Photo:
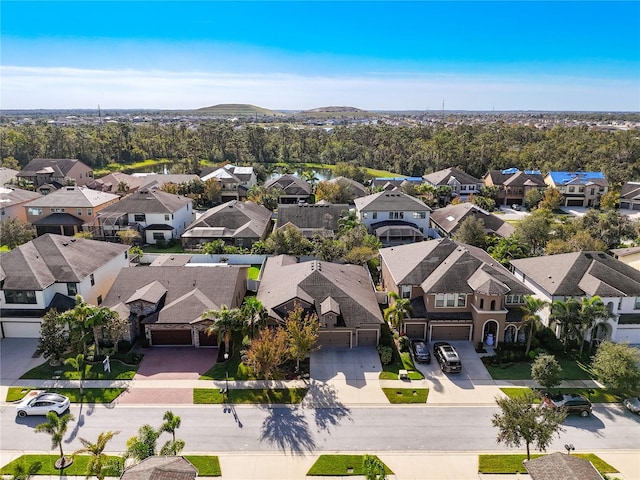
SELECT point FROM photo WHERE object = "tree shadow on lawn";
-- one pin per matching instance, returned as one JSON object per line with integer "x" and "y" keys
{"x": 287, "y": 429}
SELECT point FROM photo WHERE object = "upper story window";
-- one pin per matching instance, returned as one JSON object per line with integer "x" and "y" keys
{"x": 166, "y": 218}
{"x": 374, "y": 215}
{"x": 34, "y": 211}
{"x": 72, "y": 289}
{"x": 20, "y": 296}
{"x": 451, "y": 300}
{"x": 572, "y": 189}
{"x": 636, "y": 306}
{"x": 57, "y": 210}
{"x": 79, "y": 211}
{"x": 405, "y": 291}
{"x": 420, "y": 215}
{"x": 89, "y": 211}
{"x": 99, "y": 300}
{"x": 93, "y": 280}
{"x": 364, "y": 215}
{"x": 515, "y": 299}
{"x": 463, "y": 187}
{"x": 139, "y": 217}
{"x": 581, "y": 189}
{"x": 396, "y": 215}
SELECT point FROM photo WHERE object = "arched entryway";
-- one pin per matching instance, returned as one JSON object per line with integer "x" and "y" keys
{"x": 510, "y": 334}
{"x": 490, "y": 333}
{"x": 602, "y": 331}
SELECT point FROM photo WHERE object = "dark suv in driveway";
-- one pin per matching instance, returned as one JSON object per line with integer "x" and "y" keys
{"x": 572, "y": 403}
{"x": 447, "y": 357}
{"x": 420, "y": 350}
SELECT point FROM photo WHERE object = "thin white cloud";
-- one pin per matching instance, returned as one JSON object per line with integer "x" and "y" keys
{"x": 36, "y": 87}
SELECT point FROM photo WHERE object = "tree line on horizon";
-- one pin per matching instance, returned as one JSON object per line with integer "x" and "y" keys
{"x": 412, "y": 151}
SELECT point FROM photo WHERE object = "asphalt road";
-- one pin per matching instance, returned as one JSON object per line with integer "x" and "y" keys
{"x": 300, "y": 430}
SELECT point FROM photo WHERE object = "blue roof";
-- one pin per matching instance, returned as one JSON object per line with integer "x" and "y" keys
{"x": 567, "y": 177}
{"x": 513, "y": 170}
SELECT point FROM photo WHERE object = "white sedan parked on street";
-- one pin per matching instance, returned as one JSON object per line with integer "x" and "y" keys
{"x": 42, "y": 404}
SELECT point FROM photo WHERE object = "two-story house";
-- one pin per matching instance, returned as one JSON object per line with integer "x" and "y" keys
{"x": 48, "y": 272}
{"x": 318, "y": 219}
{"x": 118, "y": 182}
{"x": 295, "y": 189}
{"x": 579, "y": 189}
{"x": 462, "y": 184}
{"x": 67, "y": 210}
{"x": 457, "y": 292}
{"x": 12, "y": 202}
{"x": 630, "y": 196}
{"x": 56, "y": 171}
{"x": 236, "y": 223}
{"x": 342, "y": 296}
{"x": 235, "y": 181}
{"x": 394, "y": 217}
{"x": 447, "y": 220}
{"x": 166, "y": 304}
{"x": 158, "y": 216}
{"x": 514, "y": 184}
{"x": 587, "y": 274}
{"x": 395, "y": 183}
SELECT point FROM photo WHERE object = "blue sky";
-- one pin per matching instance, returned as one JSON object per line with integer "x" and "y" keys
{"x": 415, "y": 55}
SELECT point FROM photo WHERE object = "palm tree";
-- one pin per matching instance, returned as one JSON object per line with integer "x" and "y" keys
{"x": 96, "y": 463}
{"x": 567, "y": 314}
{"x": 530, "y": 317}
{"x": 56, "y": 426}
{"x": 225, "y": 322}
{"x": 170, "y": 425}
{"x": 253, "y": 313}
{"x": 77, "y": 364}
{"x": 396, "y": 313}
{"x": 22, "y": 471}
{"x": 348, "y": 222}
{"x": 591, "y": 309}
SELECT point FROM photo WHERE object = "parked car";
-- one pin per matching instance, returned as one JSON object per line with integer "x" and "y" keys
{"x": 632, "y": 404}
{"x": 447, "y": 357}
{"x": 420, "y": 350}
{"x": 572, "y": 402}
{"x": 42, "y": 404}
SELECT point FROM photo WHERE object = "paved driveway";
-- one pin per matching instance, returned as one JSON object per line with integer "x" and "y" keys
{"x": 17, "y": 356}
{"x": 171, "y": 363}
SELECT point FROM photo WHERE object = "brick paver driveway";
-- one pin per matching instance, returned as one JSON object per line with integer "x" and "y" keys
{"x": 176, "y": 363}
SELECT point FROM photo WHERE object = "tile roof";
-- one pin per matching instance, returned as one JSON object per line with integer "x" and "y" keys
{"x": 349, "y": 287}
{"x": 74, "y": 197}
{"x": 581, "y": 273}
{"x": 444, "y": 266}
{"x": 389, "y": 201}
{"x": 234, "y": 219}
{"x": 442, "y": 177}
{"x": 147, "y": 201}
{"x": 55, "y": 258}
{"x": 450, "y": 217}
{"x": 560, "y": 466}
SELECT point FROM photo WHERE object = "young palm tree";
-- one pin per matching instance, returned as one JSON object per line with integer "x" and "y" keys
{"x": 170, "y": 425}
{"x": 396, "y": 313}
{"x": 23, "y": 472}
{"x": 77, "y": 363}
{"x": 591, "y": 309}
{"x": 530, "y": 317}
{"x": 226, "y": 321}
{"x": 56, "y": 426}
{"x": 253, "y": 313}
{"x": 567, "y": 314}
{"x": 96, "y": 463}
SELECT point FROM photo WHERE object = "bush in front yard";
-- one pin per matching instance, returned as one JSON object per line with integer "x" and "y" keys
{"x": 386, "y": 354}
{"x": 404, "y": 343}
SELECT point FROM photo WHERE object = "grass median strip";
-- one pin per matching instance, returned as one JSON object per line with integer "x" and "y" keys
{"x": 341, "y": 465}
{"x": 47, "y": 465}
{"x": 595, "y": 395}
{"x": 90, "y": 395}
{"x": 95, "y": 371}
{"x": 207, "y": 465}
{"x": 406, "y": 395}
{"x": 249, "y": 395}
{"x": 512, "y": 464}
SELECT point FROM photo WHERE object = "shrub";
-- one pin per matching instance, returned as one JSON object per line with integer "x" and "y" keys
{"x": 404, "y": 343}
{"x": 549, "y": 341}
{"x": 386, "y": 354}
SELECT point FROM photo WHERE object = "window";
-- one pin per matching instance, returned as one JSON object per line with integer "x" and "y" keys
{"x": 20, "y": 296}
{"x": 419, "y": 215}
{"x": 572, "y": 189}
{"x": 139, "y": 217}
{"x": 637, "y": 304}
{"x": 396, "y": 215}
{"x": 166, "y": 218}
{"x": 93, "y": 280}
{"x": 57, "y": 210}
{"x": 158, "y": 236}
{"x": 581, "y": 189}
{"x": 374, "y": 215}
{"x": 72, "y": 289}
{"x": 406, "y": 291}
{"x": 462, "y": 300}
{"x": 364, "y": 215}
{"x": 79, "y": 211}
{"x": 514, "y": 298}
{"x": 34, "y": 211}
{"x": 99, "y": 300}
{"x": 451, "y": 299}
{"x": 239, "y": 242}
{"x": 439, "y": 300}
{"x": 463, "y": 187}
{"x": 89, "y": 211}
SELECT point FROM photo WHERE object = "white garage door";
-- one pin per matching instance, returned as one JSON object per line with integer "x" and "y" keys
{"x": 21, "y": 328}
{"x": 450, "y": 332}
{"x": 334, "y": 339}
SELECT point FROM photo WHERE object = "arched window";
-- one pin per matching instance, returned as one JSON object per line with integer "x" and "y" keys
{"x": 481, "y": 303}
{"x": 493, "y": 304}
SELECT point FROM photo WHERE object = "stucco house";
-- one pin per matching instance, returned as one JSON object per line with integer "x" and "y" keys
{"x": 447, "y": 220}
{"x": 630, "y": 196}
{"x": 628, "y": 255}
{"x": 394, "y": 217}
{"x": 462, "y": 184}
{"x": 158, "y": 216}
{"x": 514, "y": 184}
{"x": 236, "y": 223}
{"x": 67, "y": 210}
{"x": 235, "y": 181}
{"x": 587, "y": 274}
{"x": 342, "y": 296}
{"x": 579, "y": 189}
{"x": 165, "y": 304}
{"x": 56, "y": 171}
{"x": 12, "y": 202}
{"x": 457, "y": 292}
{"x": 48, "y": 272}
{"x": 295, "y": 189}
{"x": 319, "y": 219}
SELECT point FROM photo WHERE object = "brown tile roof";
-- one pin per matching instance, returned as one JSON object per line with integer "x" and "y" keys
{"x": 560, "y": 466}
{"x": 55, "y": 258}
{"x": 581, "y": 273}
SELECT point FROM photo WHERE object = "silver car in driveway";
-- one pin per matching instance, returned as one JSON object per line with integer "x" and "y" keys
{"x": 42, "y": 404}
{"x": 632, "y": 404}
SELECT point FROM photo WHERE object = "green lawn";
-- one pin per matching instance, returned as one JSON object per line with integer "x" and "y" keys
{"x": 90, "y": 395}
{"x": 78, "y": 467}
{"x": 340, "y": 465}
{"x": 571, "y": 370}
{"x": 406, "y": 395}
{"x": 512, "y": 464}
{"x": 599, "y": 395}
{"x": 236, "y": 369}
{"x": 119, "y": 371}
{"x": 177, "y": 248}
{"x": 253, "y": 395}
{"x": 207, "y": 465}
{"x": 401, "y": 362}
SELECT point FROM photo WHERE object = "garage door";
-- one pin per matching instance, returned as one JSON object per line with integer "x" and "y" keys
{"x": 208, "y": 340}
{"x": 635, "y": 206}
{"x": 450, "y": 332}
{"x": 415, "y": 330}
{"x": 367, "y": 338}
{"x": 334, "y": 339}
{"x": 171, "y": 337}
{"x": 21, "y": 329}
{"x": 625, "y": 205}
{"x": 574, "y": 203}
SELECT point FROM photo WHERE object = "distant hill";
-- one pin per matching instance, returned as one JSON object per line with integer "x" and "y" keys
{"x": 336, "y": 112}
{"x": 238, "y": 110}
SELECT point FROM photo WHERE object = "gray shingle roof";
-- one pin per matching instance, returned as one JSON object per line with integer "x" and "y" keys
{"x": 55, "y": 258}
{"x": 559, "y": 466}
{"x": 291, "y": 185}
{"x": 233, "y": 219}
{"x": 316, "y": 215}
{"x": 161, "y": 468}
{"x": 389, "y": 202}
{"x": 581, "y": 273}
{"x": 349, "y": 287}
{"x": 441, "y": 177}
{"x": 73, "y": 197}
{"x": 450, "y": 217}
{"x": 630, "y": 191}
{"x": 60, "y": 165}
{"x": 147, "y": 201}
{"x": 15, "y": 196}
